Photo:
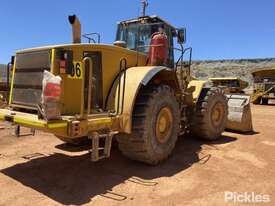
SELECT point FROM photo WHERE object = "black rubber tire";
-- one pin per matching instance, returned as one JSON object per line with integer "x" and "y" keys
{"x": 264, "y": 101}
{"x": 201, "y": 125}
{"x": 142, "y": 145}
{"x": 257, "y": 101}
{"x": 74, "y": 141}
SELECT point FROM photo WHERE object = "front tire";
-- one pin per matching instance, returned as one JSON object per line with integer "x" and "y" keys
{"x": 210, "y": 117}
{"x": 155, "y": 126}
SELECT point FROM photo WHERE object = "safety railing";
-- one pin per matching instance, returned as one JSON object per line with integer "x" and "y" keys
{"x": 122, "y": 72}
{"x": 180, "y": 65}
{"x": 90, "y": 38}
{"x": 84, "y": 112}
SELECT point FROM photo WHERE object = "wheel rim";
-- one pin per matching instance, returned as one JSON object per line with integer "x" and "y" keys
{"x": 164, "y": 125}
{"x": 217, "y": 114}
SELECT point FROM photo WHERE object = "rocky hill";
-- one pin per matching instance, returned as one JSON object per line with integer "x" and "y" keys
{"x": 230, "y": 68}
{"x": 2, "y": 72}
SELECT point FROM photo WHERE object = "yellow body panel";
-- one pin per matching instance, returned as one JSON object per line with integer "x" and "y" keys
{"x": 111, "y": 57}
{"x": 195, "y": 87}
{"x": 31, "y": 120}
{"x": 71, "y": 87}
{"x": 60, "y": 127}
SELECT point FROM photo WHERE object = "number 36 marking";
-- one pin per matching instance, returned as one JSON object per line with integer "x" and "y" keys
{"x": 76, "y": 71}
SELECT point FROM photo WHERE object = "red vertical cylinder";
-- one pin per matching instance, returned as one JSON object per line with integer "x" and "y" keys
{"x": 158, "y": 52}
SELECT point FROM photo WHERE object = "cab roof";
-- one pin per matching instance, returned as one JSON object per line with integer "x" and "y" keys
{"x": 149, "y": 19}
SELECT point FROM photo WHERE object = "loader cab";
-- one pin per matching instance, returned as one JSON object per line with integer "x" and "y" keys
{"x": 135, "y": 34}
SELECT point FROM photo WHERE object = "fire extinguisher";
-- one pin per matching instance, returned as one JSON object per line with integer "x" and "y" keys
{"x": 158, "y": 52}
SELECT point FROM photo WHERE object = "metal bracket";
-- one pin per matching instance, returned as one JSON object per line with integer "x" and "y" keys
{"x": 75, "y": 128}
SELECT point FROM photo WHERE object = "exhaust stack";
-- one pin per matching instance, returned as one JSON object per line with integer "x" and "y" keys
{"x": 76, "y": 29}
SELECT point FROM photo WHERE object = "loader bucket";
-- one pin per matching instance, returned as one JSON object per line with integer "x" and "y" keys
{"x": 239, "y": 113}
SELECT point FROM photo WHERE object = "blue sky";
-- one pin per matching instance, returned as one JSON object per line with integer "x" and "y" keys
{"x": 216, "y": 29}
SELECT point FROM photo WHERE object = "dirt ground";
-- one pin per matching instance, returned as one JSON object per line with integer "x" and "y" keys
{"x": 41, "y": 170}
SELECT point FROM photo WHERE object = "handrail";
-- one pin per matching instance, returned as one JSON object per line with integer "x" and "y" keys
{"x": 122, "y": 71}
{"x": 124, "y": 82}
{"x": 180, "y": 60}
{"x": 88, "y": 36}
{"x": 90, "y": 79}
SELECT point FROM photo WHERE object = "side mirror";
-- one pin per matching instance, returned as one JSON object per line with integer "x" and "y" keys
{"x": 181, "y": 36}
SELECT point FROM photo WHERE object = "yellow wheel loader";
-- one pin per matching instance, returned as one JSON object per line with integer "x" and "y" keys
{"x": 132, "y": 90}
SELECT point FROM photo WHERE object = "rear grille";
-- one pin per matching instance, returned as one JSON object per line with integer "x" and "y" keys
{"x": 27, "y": 87}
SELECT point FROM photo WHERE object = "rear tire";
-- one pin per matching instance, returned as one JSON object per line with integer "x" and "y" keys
{"x": 210, "y": 116}
{"x": 155, "y": 126}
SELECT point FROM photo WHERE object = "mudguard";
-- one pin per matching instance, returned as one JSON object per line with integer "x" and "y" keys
{"x": 135, "y": 78}
{"x": 195, "y": 87}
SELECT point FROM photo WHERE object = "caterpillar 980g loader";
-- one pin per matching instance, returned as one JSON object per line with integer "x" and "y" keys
{"x": 132, "y": 90}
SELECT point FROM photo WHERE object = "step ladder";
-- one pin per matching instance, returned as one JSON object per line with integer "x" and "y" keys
{"x": 97, "y": 152}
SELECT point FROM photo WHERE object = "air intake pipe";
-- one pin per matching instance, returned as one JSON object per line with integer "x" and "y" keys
{"x": 76, "y": 29}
